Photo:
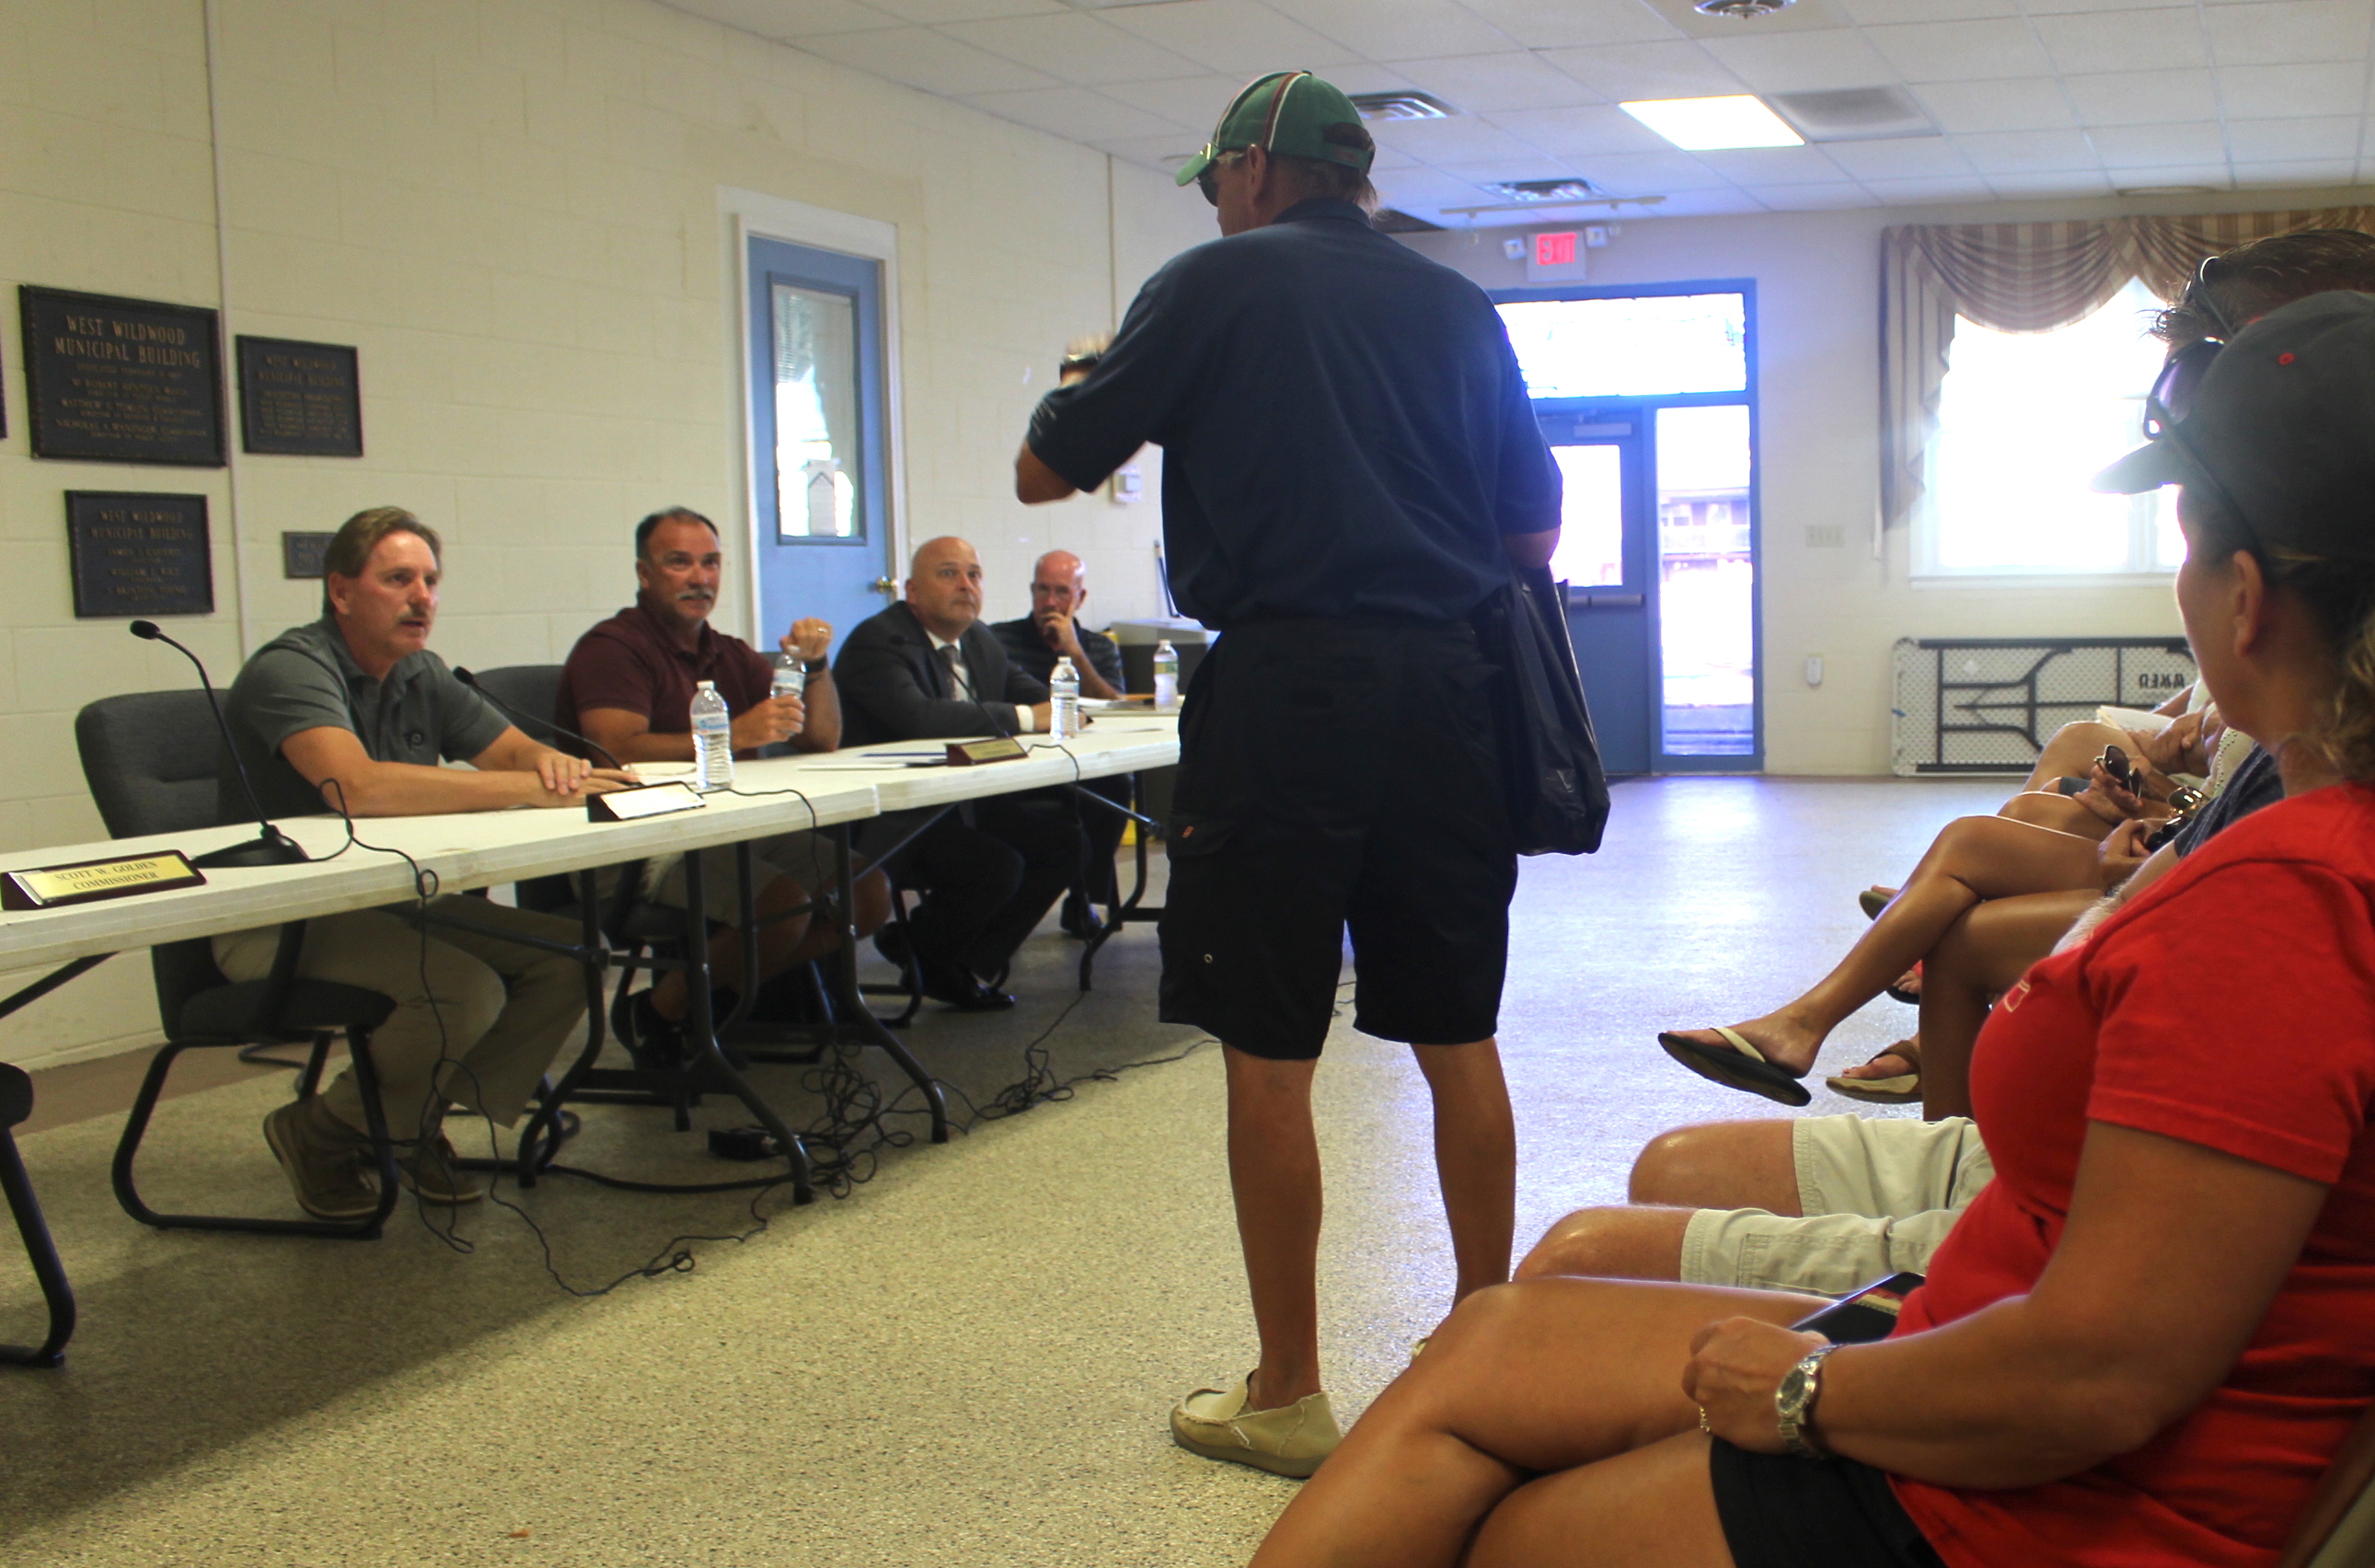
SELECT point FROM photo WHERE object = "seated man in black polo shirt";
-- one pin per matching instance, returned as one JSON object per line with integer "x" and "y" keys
{"x": 1059, "y": 587}
{"x": 354, "y": 712}
{"x": 628, "y": 688}
{"x": 929, "y": 668}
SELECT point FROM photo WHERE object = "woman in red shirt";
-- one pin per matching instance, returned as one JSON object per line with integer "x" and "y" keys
{"x": 2145, "y": 1341}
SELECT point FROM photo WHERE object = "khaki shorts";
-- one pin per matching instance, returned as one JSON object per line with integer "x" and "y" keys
{"x": 810, "y": 859}
{"x": 1877, "y": 1194}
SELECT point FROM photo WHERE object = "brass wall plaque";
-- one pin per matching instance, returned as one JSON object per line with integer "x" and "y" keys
{"x": 87, "y": 881}
{"x": 300, "y": 399}
{"x": 123, "y": 380}
{"x": 301, "y": 554}
{"x": 137, "y": 554}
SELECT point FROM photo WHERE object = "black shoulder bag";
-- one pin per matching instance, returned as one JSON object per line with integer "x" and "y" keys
{"x": 1557, "y": 793}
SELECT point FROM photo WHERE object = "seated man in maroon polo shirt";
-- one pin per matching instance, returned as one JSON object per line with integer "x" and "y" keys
{"x": 628, "y": 687}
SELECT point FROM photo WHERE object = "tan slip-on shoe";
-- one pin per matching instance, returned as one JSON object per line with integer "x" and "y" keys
{"x": 323, "y": 1158}
{"x": 1288, "y": 1441}
{"x": 430, "y": 1170}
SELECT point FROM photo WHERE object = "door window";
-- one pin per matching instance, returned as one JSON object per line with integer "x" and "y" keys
{"x": 1706, "y": 583}
{"x": 1592, "y": 521}
{"x": 818, "y": 451}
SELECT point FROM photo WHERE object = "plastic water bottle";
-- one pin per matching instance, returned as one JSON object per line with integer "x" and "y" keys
{"x": 1166, "y": 675}
{"x": 791, "y": 679}
{"x": 712, "y": 740}
{"x": 1064, "y": 700}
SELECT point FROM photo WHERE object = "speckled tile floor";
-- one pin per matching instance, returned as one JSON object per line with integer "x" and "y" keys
{"x": 968, "y": 1360}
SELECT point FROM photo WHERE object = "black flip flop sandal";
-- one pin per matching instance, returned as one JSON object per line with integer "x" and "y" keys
{"x": 1742, "y": 1067}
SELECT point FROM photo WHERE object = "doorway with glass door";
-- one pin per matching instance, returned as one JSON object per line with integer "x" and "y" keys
{"x": 818, "y": 416}
{"x": 1645, "y": 395}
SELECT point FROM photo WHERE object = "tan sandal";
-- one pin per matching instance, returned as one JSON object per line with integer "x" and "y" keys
{"x": 1903, "y": 1089}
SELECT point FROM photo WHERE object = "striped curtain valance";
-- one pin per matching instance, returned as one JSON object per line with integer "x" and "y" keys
{"x": 2025, "y": 278}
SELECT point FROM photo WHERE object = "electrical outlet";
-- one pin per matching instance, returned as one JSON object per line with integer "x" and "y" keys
{"x": 1814, "y": 669}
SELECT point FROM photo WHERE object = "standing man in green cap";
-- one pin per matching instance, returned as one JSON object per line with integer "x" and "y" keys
{"x": 1350, "y": 463}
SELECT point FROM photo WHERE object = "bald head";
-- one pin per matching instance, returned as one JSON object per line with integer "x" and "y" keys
{"x": 1059, "y": 583}
{"x": 944, "y": 587}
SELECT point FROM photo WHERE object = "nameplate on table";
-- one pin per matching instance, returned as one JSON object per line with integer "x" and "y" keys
{"x": 644, "y": 800}
{"x": 86, "y": 881}
{"x": 969, "y": 753}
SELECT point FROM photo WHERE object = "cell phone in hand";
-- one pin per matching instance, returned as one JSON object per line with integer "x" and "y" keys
{"x": 1868, "y": 1314}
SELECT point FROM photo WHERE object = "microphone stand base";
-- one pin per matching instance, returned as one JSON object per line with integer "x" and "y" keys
{"x": 278, "y": 849}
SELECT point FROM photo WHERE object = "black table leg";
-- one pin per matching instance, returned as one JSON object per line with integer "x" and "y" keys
{"x": 850, "y": 1003}
{"x": 700, "y": 1027}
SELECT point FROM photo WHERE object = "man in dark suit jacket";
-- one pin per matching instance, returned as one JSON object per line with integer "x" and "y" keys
{"x": 929, "y": 669}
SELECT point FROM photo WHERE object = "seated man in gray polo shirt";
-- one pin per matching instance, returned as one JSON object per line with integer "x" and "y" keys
{"x": 353, "y": 713}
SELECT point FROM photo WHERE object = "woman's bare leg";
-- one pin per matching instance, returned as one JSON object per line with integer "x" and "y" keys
{"x": 2072, "y": 752}
{"x": 2063, "y": 813}
{"x": 1713, "y": 1165}
{"x": 1520, "y": 1380}
{"x": 1975, "y": 858}
{"x": 1980, "y": 957}
{"x": 1654, "y": 1507}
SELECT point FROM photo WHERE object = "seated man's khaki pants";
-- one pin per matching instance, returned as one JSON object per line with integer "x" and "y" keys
{"x": 504, "y": 1008}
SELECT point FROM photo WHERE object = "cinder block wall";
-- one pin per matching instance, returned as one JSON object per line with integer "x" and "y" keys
{"x": 511, "y": 208}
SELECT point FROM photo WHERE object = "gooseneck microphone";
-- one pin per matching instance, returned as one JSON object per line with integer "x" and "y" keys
{"x": 467, "y": 678}
{"x": 270, "y": 846}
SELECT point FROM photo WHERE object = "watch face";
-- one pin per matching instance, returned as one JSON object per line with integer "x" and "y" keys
{"x": 1791, "y": 1395}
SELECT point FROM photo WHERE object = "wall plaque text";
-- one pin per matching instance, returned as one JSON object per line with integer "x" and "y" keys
{"x": 139, "y": 554}
{"x": 123, "y": 380}
{"x": 301, "y": 554}
{"x": 303, "y": 399}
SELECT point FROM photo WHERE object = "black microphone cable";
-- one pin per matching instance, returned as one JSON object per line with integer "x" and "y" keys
{"x": 556, "y": 726}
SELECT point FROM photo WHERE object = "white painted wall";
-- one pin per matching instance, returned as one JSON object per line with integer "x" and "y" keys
{"x": 1818, "y": 309}
{"x": 511, "y": 208}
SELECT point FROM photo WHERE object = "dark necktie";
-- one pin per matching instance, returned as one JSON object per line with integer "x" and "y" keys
{"x": 957, "y": 685}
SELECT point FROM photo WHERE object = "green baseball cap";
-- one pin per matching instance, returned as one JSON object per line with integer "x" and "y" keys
{"x": 1291, "y": 113}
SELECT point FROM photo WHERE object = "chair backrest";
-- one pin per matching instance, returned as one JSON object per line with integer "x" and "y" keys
{"x": 533, "y": 690}
{"x": 151, "y": 759}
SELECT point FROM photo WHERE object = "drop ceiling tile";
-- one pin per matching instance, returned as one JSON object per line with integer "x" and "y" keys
{"x": 2150, "y": 146}
{"x": 2171, "y": 177}
{"x": 2056, "y": 184}
{"x": 791, "y": 19}
{"x": 1829, "y": 197}
{"x": 2057, "y": 7}
{"x": 2018, "y": 152}
{"x": 1592, "y": 129}
{"x": 1801, "y": 62}
{"x": 1238, "y": 37}
{"x": 1960, "y": 51}
{"x": 1407, "y": 30}
{"x": 931, "y": 11}
{"x": 1536, "y": 167}
{"x": 2318, "y": 172}
{"x": 2285, "y": 92}
{"x": 1925, "y": 193}
{"x": 1192, "y": 101}
{"x": 1164, "y": 152}
{"x": 2293, "y": 141}
{"x": 1908, "y": 158}
{"x": 1486, "y": 84}
{"x": 922, "y": 58}
{"x": 1460, "y": 139}
{"x": 2278, "y": 32}
{"x": 1717, "y": 202}
{"x": 1647, "y": 173}
{"x": 1427, "y": 190}
{"x": 1757, "y": 167}
{"x": 2124, "y": 41}
{"x": 1645, "y": 70}
{"x": 2143, "y": 98}
{"x": 1562, "y": 24}
{"x": 1881, "y": 12}
{"x": 2018, "y": 103}
{"x": 1361, "y": 76}
{"x": 1074, "y": 48}
{"x": 1075, "y": 111}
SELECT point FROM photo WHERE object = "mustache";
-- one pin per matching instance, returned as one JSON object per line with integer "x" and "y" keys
{"x": 694, "y": 594}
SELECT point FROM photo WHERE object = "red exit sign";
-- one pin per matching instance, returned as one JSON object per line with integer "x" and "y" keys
{"x": 1555, "y": 250}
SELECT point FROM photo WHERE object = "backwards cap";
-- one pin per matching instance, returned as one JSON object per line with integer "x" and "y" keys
{"x": 1292, "y": 114}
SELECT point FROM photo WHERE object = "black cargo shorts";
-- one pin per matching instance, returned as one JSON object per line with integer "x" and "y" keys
{"x": 1336, "y": 774}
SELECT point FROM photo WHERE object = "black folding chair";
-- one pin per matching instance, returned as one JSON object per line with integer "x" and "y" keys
{"x": 16, "y": 1104}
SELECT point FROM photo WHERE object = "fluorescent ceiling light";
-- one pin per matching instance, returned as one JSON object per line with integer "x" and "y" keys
{"x": 1696, "y": 125}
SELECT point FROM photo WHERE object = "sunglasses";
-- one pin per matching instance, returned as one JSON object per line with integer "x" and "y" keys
{"x": 1208, "y": 180}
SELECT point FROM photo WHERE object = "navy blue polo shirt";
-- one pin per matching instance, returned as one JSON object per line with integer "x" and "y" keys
{"x": 1344, "y": 428}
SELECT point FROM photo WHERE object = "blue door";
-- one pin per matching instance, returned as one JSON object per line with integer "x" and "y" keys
{"x": 818, "y": 437}
{"x": 1603, "y": 559}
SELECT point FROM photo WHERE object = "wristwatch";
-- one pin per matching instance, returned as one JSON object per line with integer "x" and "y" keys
{"x": 815, "y": 667}
{"x": 1793, "y": 1403}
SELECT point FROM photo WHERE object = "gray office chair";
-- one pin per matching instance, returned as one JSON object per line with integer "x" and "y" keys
{"x": 150, "y": 760}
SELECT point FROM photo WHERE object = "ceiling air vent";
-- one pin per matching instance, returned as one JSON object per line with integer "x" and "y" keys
{"x": 1852, "y": 114}
{"x": 1739, "y": 10}
{"x": 1401, "y": 106}
{"x": 1541, "y": 190}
